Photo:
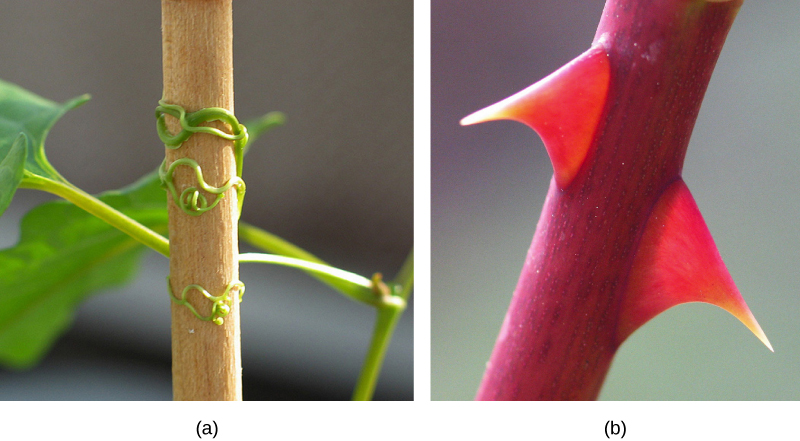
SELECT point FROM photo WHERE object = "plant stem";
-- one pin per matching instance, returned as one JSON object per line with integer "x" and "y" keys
{"x": 355, "y": 287}
{"x": 589, "y": 255}
{"x": 99, "y": 209}
{"x": 273, "y": 244}
{"x": 385, "y": 323}
{"x": 197, "y": 41}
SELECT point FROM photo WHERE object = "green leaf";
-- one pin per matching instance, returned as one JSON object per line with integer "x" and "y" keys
{"x": 65, "y": 254}
{"x": 12, "y": 168}
{"x": 24, "y": 112}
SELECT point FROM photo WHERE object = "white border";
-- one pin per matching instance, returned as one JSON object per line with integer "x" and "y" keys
{"x": 422, "y": 200}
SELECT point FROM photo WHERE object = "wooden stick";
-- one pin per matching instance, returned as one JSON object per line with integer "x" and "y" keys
{"x": 197, "y": 41}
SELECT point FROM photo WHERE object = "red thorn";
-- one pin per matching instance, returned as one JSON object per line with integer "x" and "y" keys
{"x": 678, "y": 262}
{"x": 564, "y": 108}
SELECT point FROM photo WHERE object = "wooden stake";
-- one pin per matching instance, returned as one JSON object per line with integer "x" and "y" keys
{"x": 197, "y": 41}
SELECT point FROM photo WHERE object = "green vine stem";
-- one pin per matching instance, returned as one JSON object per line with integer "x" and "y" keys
{"x": 99, "y": 209}
{"x": 385, "y": 323}
{"x": 273, "y": 244}
{"x": 359, "y": 289}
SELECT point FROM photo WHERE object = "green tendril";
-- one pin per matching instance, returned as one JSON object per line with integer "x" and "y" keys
{"x": 191, "y": 200}
{"x": 221, "y": 306}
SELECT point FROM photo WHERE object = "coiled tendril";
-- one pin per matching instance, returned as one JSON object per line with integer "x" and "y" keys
{"x": 191, "y": 200}
{"x": 221, "y": 306}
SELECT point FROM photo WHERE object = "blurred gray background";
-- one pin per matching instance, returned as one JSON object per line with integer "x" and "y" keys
{"x": 336, "y": 180}
{"x": 489, "y": 182}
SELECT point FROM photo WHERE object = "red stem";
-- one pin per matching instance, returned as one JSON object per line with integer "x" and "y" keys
{"x": 561, "y": 331}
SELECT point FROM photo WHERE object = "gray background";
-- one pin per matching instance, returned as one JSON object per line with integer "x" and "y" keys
{"x": 489, "y": 182}
{"x": 336, "y": 180}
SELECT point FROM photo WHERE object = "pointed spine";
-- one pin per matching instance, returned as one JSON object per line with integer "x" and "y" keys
{"x": 677, "y": 262}
{"x": 564, "y": 108}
